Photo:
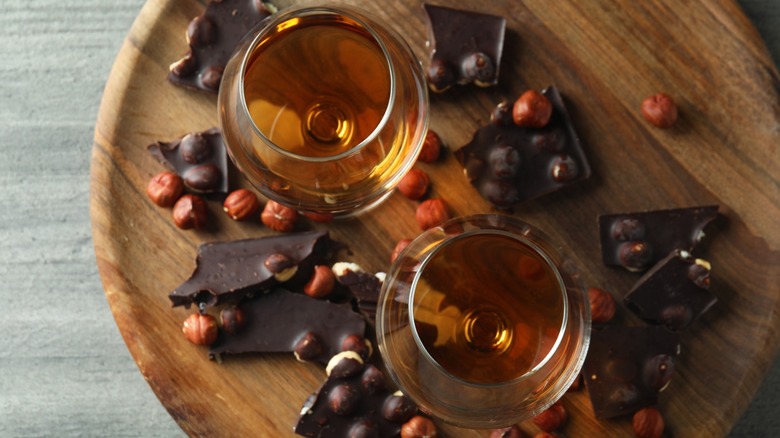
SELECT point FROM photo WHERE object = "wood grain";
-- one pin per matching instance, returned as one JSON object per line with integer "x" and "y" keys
{"x": 605, "y": 59}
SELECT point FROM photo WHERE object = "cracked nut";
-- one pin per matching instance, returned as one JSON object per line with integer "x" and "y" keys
{"x": 200, "y": 329}
{"x": 602, "y": 305}
{"x": 660, "y": 110}
{"x": 418, "y": 427}
{"x": 241, "y": 204}
{"x": 431, "y": 148}
{"x": 648, "y": 423}
{"x": 278, "y": 217}
{"x": 165, "y": 188}
{"x": 552, "y": 418}
{"x": 189, "y": 212}
{"x": 431, "y": 213}
{"x": 532, "y": 110}
{"x": 414, "y": 184}
{"x": 321, "y": 282}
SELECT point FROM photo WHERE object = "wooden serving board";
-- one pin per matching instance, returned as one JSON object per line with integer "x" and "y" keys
{"x": 605, "y": 57}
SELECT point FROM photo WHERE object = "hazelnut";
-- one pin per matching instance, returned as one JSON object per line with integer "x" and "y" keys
{"x": 189, "y": 212}
{"x": 431, "y": 147}
{"x": 418, "y": 427}
{"x": 502, "y": 114}
{"x": 241, "y": 204}
{"x": 635, "y": 256}
{"x": 400, "y": 246}
{"x": 658, "y": 371}
{"x": 551, "y": 419}
{"x": 563, "y": 168}
{"x": 203, "y": 178}
{"x": 676, "y": 316}
{"x": 233, "y": 319}
{"x": 358, "y": 344}
{"x": 532, "y": 110}
{"x": 318, "y": 217}
{"x": 278, "y": 217}
{"x": 398, "y": 408}
{"x": 628, "y": 229}
{"x": 321, "y": 282}
{"x": 699, "y": 274}
{"x": 431, "y": 213}
{"x": 165, "y": 188}
{"x": 308, "y": 347}
{"x": 549, "y": 140}
{"x": 281, "y": 266}
{"x": 346, "y": 367}
{"x": 373, "y": 380}
{"x": 648, "y": 423}
{"x": 200, "y": 329}
{"x": 211, "y": 77}
{"x": 414, "y": 184}
{"x": 440, "y": 76}
{"x": 505, "y": 160}
{"x": 194, "y": 148}
{"x": 499, "y": 192}
{"x": 344, "y": 399}
{"x": 479, "y": 68}
{"x": 660, "y": 110}
{"x": 200, "y": 31}
{"x": 364, "y": 428}
{"x": 183, "y": 67}
{"x": 507, "y": 432}
{"x": 602, "y": 305}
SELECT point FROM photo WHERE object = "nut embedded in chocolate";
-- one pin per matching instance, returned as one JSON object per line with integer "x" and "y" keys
{"x": 364, "y": 428}
{"x": 344, "y": 399}
{"x": 373, "y": 380}
{"x": 233, "y": 319}
{"x": 479, "y": 68}
{"x": 635, "y": 256}
{"x": 212, "y": 77}
{"x": 194, "y": 148}
{"x": 398, "y": 408}
{"x": 203, "y": 178}
{"x": 308, "y": 348}
{"x": 505, "y": 161}
{"x": 628, "y": 229}
{"x": 199, "y": 158}
{"x": 440, "y": 76}
{"x": 563, "y": 168}
{"x": 184, "y": 66}
{"x": 200, "y": 31}
{"x": 658, "y": 372}
{"x": 358, "y": 344}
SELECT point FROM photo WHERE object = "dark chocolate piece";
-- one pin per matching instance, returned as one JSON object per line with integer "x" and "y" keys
{"x": 200, "y": 158}
{"x": 636, "y": 241}
{"x": 674, "y": 293}
{"x": 365, "y": 287}
{"x": 281, "y": 321}
{"x": 359, "y": 403}
{"x": 508, "y": 164}
{"x": 212, "y": 37}
{"x": 465, "y": 47}
{"x": 626, "y": 367}
{"x": 229, "y": 271}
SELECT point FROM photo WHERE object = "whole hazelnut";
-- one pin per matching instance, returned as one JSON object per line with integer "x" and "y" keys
{"x": 658, "y": 371}
{"x": 532, "y": 110}
{"x": 398, "y": 408}
{"x": 308, "y": 347}
{"x": 400, "y": 246}
{"x": 364, "y": 428}
{"x": 358, "y": 344}
{"x": 626, "y": 229}
{"x": 278, "y": 217}
{"x": 321, "y": 282}
{"x": 504, "y": 160}
{"x": 233, "y": 319}
{"x": 240, "y": 204}
{"x": 660, "y": 110}
{"x": 431, "y": 213}
{"x": 648, "y": 423}
{"x": 552, "y": 418}
{"x": 563, "y": 168}
{"x": 431, "y": 148}
{"x": 602, "y": 305}
{"x": 635, "y": 256}
{"x": 165, "y": 188}
{"x": 418, "y": 427}
{"x": 211, "y": 77}
{"x": 281, "y": 266}
{"x": 373, "y": 380}
{"x": 479, "y": 68}
{"x": 189, "y": 212}
{"x": 344, "y": 399}
{"x": 200, "y": 329}
{"x": 502, "y": 114}
{"x": 200, "y": 31}
{"x": 507, "y": 432}
{"x": 414, "y": 184}
{"x": 195, "y": 148}
{"x": 203, "y": 178}
{"x": 440, "y": 76}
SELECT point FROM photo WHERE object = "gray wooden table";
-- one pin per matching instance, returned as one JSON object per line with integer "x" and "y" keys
{"x": 64, "y": 369}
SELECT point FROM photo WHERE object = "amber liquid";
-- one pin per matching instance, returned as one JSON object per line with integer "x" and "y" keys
{"x": 317, "y": 87}
{"x": 488, "y": 307}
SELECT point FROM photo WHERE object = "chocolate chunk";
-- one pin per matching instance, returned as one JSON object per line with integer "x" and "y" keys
{"x": 626, "y": 367}
{"x": 636, "y": 241}
{"x": 465, "y": 47}
{"x": 365, "y": 287}
{"x": 200, "y": 158}
{"x": 508, "y": 164}
{"x": 674, "y": 293}
{"x": 212, "y": 37}
{"x": 229, "y": 271}
{"x": 279, "y": 320}
{"x": 357, "y": 405}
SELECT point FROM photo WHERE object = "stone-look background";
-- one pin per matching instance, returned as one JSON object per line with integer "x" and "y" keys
{"x": 64, "y": 369}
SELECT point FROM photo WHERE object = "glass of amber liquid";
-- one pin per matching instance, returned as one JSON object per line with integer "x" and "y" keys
{"x": 324, "y": 109}
{"x": 483, "y": 322}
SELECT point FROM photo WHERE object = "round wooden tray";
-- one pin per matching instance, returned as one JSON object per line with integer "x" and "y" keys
{"x": 605, "y": 59}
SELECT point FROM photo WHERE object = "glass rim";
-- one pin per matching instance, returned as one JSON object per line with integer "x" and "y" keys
{"x": 296, "y": 12}
{"x": 561, "y": 286}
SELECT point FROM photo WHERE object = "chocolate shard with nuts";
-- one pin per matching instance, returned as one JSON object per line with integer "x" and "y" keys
{"x": 626, "y": 367}
{"x": 637, "y": 241}
{"x": 281, "y": 321}
{"x": 360, "y": 402}
{"x": 212, "y": 37}
{"x": 229, "y": 271}
{"x": 465, "y": 47}
{"x": 674, "y": 293}
{"x": 199, "y": 158}
{"x": 363, "y": 286}
{"x": 508, "y": 164}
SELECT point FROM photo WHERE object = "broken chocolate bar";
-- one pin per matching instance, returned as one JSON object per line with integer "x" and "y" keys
{"x": 364, "y": 287}
{"x": 281, "y": 321}
{"x": 229, "y": 271}
{"x": 465, "y": 47}
{"x": 674, "y": 293}
{"x": 355, "y": 400}
{"x": 626, "y": 367}
{"x": 508, "y": 164}
{"x": 199, "y": 158}
{"x": 636, "y": 241}
{"x": 212, "y": 37}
